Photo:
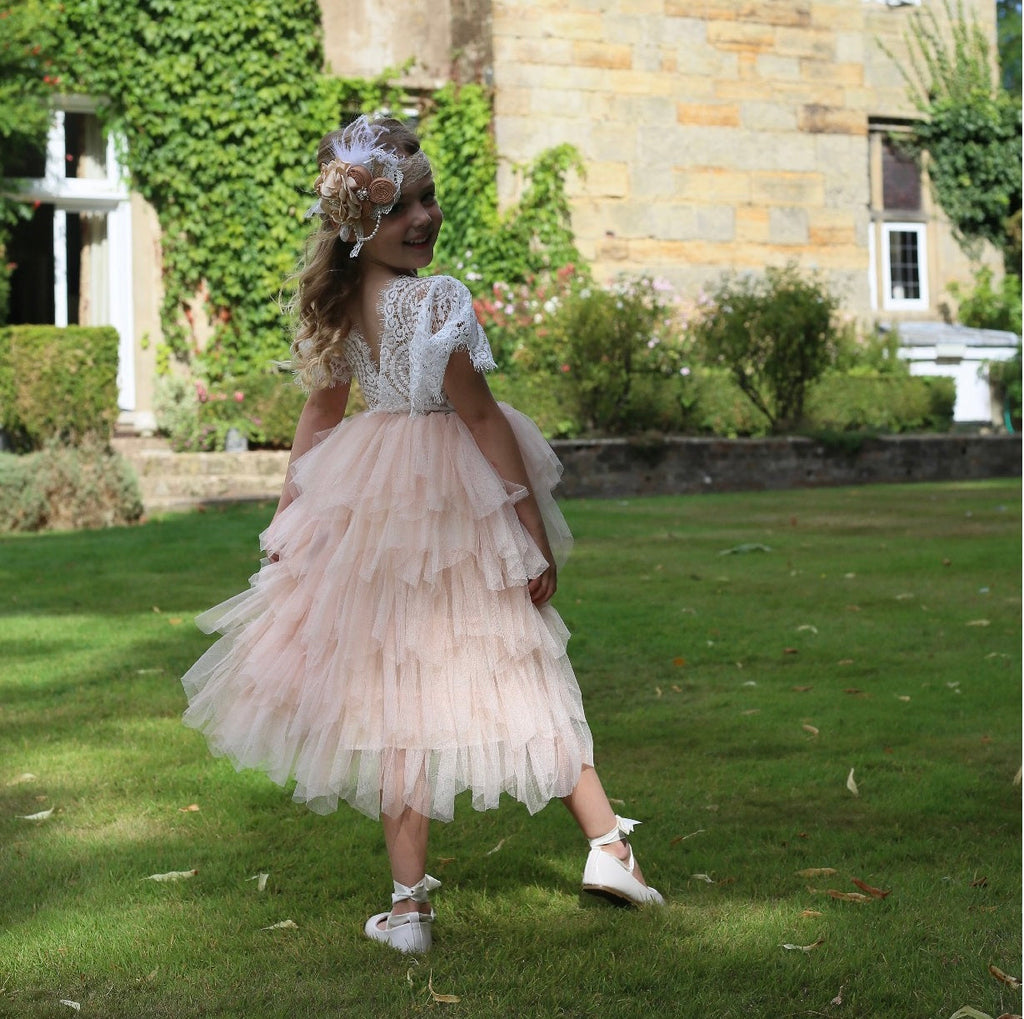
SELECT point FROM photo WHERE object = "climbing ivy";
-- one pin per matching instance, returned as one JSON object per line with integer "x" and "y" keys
{"x": 971, "y": 131}
{"x": 479, "y": 244}
{"x": 220, "y": 106}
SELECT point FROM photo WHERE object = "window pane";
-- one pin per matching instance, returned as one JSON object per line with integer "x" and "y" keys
{"x": 85, "y": 153}
{"x": 904, "y": 265}
{"x": 27, "y": 161}
{"x": 901, "y": 180}
{"x": 30, "y": 248}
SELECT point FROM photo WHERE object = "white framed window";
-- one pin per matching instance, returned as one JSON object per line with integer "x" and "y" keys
{"x": 899, "y": 234}
{"x": 74, "y": 256}
{"x": 904, "y": 266}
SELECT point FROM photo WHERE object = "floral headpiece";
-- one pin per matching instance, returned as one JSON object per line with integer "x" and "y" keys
{"x": 362, "y": 182}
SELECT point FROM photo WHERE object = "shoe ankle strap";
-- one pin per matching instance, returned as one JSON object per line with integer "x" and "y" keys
{"x": 623, "y": 827}
{"x": 419, "y": 892}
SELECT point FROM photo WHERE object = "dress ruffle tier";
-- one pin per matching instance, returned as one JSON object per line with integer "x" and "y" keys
{"x": 391, "y": 656}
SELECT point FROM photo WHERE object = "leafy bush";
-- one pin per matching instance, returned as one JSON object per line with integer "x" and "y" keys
{"x": 621, "y": 351}
{"x": 880, "y": 402}
{"x": 58, "y": 383}
{"x": 262, "y": 408}
{"x": 62, "y": 488}
{"x": 1006, "y": 376}
{"x": 985, "y": 306}
{"x": 776, "y": 334}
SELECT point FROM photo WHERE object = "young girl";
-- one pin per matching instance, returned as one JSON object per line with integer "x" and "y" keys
{"x": 397, "y": 646}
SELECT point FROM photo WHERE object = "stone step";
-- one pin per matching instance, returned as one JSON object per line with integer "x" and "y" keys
{"x": 171, "y": 480}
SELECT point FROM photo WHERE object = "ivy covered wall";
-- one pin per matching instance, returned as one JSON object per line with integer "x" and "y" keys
{"x": 220, "y": 106}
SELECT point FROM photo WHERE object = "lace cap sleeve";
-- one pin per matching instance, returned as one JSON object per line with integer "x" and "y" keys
{"x": 444, "y": 322}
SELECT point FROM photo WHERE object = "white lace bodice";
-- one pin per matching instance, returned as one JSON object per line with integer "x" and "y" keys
{"x": 423, "y": 321}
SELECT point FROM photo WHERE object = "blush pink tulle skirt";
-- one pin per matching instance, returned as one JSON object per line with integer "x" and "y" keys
{"x": 391, "y": 656}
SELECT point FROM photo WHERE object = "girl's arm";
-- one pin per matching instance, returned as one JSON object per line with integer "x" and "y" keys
{"x": 471, "y": 397}
{"x": 323, "y": 409}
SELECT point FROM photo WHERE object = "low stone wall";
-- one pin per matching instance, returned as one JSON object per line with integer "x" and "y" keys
{"x": 678, "y": 465}
{"x": 619, "y": 468}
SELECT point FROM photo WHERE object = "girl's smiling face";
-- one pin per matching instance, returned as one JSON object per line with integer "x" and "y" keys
{"x": 407, "y": 234}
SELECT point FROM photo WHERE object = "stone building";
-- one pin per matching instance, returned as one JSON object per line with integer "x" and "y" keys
{"x": 716, "y": 135}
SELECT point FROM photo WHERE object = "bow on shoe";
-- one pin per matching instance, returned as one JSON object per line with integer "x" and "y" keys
{"x": 419, "y": 892}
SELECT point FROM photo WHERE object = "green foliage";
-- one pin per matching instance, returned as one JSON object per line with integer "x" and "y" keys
{"x": 1006, "y": 376}
{"x": 457, "y": 136}
{"x": 67, "y": 488}
{"x": 26, "y": 86}
{"x": 58, "y": 383}
{"x": 478, "y": 244}
{"x": 623, "y": 357}
{"x": 221, "y": 107}
{"x": 776, "y": 334}
{"x": 263, "y": 408}
{"x": 880, "y": 402}
{"x": 972, "y": 130}
{"x": 1008, "y": 26}
{"x": 985, "y": 306}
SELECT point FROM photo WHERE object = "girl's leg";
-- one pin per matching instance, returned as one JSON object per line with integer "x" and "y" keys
{"x": 406, "y": 839}
{"x": 589, "y": 805}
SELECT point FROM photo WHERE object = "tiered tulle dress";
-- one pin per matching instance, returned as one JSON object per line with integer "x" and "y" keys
{"x": 391, "y": 655}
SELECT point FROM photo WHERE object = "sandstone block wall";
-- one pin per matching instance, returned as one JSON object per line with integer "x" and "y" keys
{"x": 717, "y": 134}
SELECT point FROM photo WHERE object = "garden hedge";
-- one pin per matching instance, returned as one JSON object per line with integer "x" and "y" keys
{"x": 57, "y": 384}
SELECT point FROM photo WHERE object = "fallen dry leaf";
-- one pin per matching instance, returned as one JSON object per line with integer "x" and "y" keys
{"x": 751, "y": 711}
{"x": 806, "y": 627}
{"x": 851, "y": 785}
{"x": 491, "y": 852}
{"x": 805, "y": 948}
{"x": 979, "y": 622}
{"x": 979, "y": 882}
{"x": 1005, "y": 978}
{"x": 71, "y": 1004}
{"x": 903, "y": 697}
{"x": 25, "y": 776}
{"x": 812, "y": 730}
{"x": 282, "y": 925}
{"x": 452, "y": 999}
{"x": 810, "y": 913}
{"x": 970, "y": 1013}
{"x": 172, "y": 875}
{"x": 190, "y": 809}
{"x": 260, "y": 879}
{"x": 683, "y": 838}
{"x": 848, "y": 896}
{"x": 657, "y": 691}
{"x": 703, "y": 877}
{"x": 802, "y": 689}
{"x": 838, "y": 999}
{"x": 876, "y": 893}
{"x": 790, "y": 651}
{"x": 41, "y": 816}
{"x": 678, "y": 662}
{"x": 817, "y": 872}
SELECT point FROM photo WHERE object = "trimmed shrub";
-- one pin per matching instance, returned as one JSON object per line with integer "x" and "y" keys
{"x": 881, "y": 403}
{"x": 58, "y": 384}
{"x": 776, "y": 333}
{"x": 66, "y": 488}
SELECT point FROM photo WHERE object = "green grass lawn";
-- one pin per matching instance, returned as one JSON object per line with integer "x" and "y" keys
{"x": 739, "y": 656}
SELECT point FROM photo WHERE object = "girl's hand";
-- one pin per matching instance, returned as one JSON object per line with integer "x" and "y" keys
{"x": 542, "y": 588}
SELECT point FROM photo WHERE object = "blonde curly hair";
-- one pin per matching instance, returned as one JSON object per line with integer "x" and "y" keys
{"x": 328, "y": 277}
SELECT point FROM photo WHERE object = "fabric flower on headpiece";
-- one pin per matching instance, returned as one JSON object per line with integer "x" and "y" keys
{"x": 359, "y": 185}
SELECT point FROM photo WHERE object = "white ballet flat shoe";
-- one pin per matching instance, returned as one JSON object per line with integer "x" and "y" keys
{"x": 607, "y": 875}
{"x": 406, "y": 932}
